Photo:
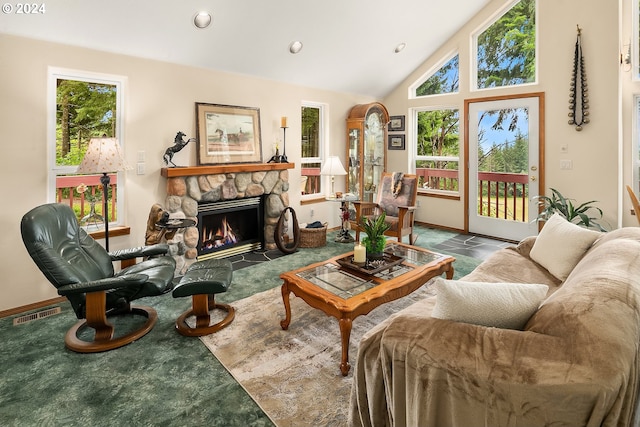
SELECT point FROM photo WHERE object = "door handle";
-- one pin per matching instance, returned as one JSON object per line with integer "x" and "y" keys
{"x": 533, "y": 178}
{"x": 534, "y": 168}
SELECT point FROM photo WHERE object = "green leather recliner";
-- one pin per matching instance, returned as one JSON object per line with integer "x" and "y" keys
{"x": 83, "y": 272}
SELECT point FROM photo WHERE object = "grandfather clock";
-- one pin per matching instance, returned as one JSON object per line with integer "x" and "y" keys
{"x": 366, "y": 149}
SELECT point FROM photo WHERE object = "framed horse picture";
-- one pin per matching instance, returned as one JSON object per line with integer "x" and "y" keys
{"x": 228, "y": 134}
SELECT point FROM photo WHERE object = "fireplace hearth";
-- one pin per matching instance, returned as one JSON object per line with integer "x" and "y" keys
{"x": 230, "y": 227}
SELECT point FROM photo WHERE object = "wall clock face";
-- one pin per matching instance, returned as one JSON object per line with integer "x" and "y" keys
{"x": 373, "y": 123}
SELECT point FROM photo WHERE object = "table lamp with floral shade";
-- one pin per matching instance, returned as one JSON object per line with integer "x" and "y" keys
{"x": 103, "y": 156}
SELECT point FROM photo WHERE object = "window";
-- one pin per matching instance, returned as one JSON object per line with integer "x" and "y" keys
{"x": 437, "y": 149}
{"x": 313, "y": 148}
{"x": 506, "y": 49}
{"x": 444, "y": 80}
{"x": 82, "y": 106}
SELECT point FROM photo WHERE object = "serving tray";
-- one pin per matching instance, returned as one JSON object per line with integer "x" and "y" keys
{"x": 371, "y": 267}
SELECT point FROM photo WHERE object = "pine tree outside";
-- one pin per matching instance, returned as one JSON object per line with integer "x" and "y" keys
{"x": 84, "y": 110}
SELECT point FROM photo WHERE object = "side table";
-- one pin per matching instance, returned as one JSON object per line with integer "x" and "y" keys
{"x": 174, "y": 224}
{"x": 344, "y": 236}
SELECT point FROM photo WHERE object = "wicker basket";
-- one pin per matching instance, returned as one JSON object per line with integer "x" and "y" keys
{"x": 313, "y": 237}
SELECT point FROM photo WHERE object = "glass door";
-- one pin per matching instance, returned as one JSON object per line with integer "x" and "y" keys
{"x": 504, "y": 166}
{"x": 354, "y": 162}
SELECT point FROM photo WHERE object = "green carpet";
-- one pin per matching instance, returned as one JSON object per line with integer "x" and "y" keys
{"x": 164, "y": 379}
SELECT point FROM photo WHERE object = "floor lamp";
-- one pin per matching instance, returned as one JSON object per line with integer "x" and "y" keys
{"x": 103, "y": 156}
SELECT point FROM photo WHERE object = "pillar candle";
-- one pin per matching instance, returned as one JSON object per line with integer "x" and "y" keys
{"x": 359, "y": 253}
{"x": 283, "y": 122}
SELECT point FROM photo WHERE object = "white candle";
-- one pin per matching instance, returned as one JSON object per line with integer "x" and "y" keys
{"x": 359, "y": 253}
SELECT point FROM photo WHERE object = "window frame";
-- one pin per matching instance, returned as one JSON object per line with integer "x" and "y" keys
{"x": 634, "y": 47}
{"x": 55, "y": 74}
{"x": 323, "y": 131}
{"x": 445, "y": 59}
{"x": 635, "y": 141}
{"x": 413, "y": 143}
{"x": 473, "y": 39}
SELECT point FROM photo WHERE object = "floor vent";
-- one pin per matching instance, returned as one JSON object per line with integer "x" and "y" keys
{"x": 36, "y": 316}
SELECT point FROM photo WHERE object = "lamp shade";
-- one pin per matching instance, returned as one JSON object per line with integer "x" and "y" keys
{"x": 103, "y": 155}
{"x": 333, "y": 166}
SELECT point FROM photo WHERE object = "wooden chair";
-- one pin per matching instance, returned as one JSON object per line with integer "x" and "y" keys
{"x": 397, "y": 195}
{"x": 634, "y": 202}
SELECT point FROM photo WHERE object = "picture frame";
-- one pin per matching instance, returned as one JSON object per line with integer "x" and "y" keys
{"x": 396, "y": 142}
{"x": 396, "y": 123}
{"x": 228, "y": 134}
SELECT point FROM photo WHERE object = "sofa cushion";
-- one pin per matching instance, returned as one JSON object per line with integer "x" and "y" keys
{"x": 513, "y": 265}
{"x": 561, "y": 244}
{"x": 500, "y": 305}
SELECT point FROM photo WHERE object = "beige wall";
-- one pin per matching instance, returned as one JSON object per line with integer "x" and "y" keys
{"x": 594, "y": 150}
{"x": 159, "y": 101}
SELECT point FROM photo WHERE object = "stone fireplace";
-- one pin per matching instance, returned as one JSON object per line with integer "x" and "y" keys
{"x": 189, "y": 188}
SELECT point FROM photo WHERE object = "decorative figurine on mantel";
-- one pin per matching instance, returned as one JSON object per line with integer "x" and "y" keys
{"x": 277, "y": 158}
{"x": 281, "y": 158}
{"x": 178, "y": 144}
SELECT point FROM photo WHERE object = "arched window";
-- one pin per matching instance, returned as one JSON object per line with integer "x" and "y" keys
{"x": 506, "y": 48}
{"x": 444, "y": 79}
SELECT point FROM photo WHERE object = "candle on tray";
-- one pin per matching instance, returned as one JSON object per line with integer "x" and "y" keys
{"x": 359, "y": 253}
{"x": 283, "y": 122}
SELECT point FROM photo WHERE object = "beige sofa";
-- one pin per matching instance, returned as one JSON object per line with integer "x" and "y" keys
{"x": 574, "y": 363}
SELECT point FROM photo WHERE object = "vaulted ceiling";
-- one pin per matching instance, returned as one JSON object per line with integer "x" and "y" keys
{"x": 348, "y": 45}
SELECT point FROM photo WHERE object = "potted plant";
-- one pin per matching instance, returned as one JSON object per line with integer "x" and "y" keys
{"x": 579, "y": 215}
{"x": 375, "y": 239}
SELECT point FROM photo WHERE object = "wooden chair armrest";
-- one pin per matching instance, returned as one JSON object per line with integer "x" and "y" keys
{"x": 359, "y": 203}
{"x": 363, "y": 208}
{"x": 403, "y": 211}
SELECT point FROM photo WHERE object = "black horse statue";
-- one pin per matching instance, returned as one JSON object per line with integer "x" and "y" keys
{"x": 178, "y": 144}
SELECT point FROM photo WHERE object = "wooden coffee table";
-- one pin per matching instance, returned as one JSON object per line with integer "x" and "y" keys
{"x": 346, "y": 292}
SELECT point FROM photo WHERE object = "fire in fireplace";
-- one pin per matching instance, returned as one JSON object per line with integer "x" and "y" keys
{"x": 230, "y": 227}
{"x": 222, "y": 236}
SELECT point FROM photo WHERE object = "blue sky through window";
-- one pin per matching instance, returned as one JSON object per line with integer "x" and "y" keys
{"x": 498, "y": 132}
{"x": 445, "y": 80}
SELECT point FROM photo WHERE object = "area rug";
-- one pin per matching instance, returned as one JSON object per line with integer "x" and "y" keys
{"x": 294, "y": 375}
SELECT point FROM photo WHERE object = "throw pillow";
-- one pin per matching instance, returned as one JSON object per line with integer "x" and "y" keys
{"x": 561, "y": 245}
{"x": 499, "y": 305}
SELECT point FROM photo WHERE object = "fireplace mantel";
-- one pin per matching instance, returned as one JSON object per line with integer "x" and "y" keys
{"x": 226, "y": 168}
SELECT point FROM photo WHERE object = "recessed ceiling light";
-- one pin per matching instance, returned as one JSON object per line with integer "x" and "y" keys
{"x": 295, "y": 47}
{"x": 202, "y": 20}
{"x": 400, "y": 47}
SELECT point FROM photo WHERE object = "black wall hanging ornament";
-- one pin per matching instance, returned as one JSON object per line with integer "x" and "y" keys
{"x": 578, "y": 93}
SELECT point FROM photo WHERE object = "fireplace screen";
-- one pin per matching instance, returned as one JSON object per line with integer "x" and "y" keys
{"x": 230, "y": 227}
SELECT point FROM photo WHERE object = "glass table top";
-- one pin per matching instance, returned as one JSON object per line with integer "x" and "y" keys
{"x": 344, "y": 284}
